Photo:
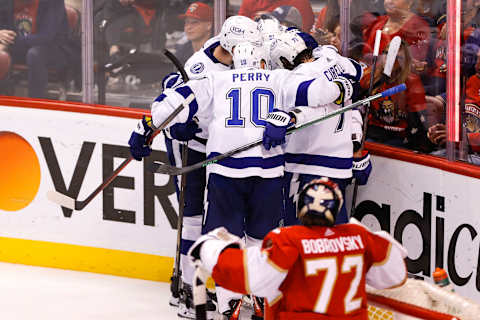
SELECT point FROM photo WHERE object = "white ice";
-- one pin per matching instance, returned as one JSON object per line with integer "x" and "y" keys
{"x": 36, "y": 293}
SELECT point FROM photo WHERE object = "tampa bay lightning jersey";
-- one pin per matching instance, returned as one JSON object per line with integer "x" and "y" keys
{"x": 198, "y": 66}
{"x": 326, "y": 148}
{"x": 235, "y": 104}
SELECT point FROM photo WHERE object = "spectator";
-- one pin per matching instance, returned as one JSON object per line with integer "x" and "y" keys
{"x": 253, "y": 8}
{"x": 435, "y": 76}
{"x": 288, "y": 16}
{"x": 35, "y": 33}
{"x": 198, "y": 29}
{"x": 133, "y": 24}
{"x": 398, "y": 120}
{"x": 401, "y": 21}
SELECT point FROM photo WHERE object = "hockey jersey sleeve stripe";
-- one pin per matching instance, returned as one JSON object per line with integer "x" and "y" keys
{"x": 209, "y": 51}
{"x": 358, "y": 69}
{"x": 185, "y": 91}
{"x": 318, "y": 160}
{"x": 301, "y": 98}
{"x": 248, "y": 162}
{"x": 160, "y": 97}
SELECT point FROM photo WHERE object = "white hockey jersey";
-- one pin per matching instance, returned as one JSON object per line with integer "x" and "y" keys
{"x": 235, "y": 104}
{"x": 198, "y": 66}
{"x": 325, "y": 149}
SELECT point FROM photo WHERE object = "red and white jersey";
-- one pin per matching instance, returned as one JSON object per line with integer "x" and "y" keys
{"x": 314, "y": 272}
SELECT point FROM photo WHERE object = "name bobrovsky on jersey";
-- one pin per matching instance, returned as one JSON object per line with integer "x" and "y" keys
{"x": 340, "y": 244}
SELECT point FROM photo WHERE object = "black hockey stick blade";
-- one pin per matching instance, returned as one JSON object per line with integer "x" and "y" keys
{"x": 74, "y": 204}
{"x": 171, "y": 170}
{"x": 177, "y": 64}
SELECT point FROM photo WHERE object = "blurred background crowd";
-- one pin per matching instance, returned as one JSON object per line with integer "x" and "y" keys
{"x": 40, "y": 54}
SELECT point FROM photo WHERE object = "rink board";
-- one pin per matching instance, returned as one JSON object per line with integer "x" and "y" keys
{"x": 124, "y": 231}
{"x": 433, "y": 211}
{"x": 129, "y": 230}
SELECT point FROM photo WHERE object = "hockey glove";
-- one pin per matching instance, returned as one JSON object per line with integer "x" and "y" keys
{"x": 138, "y": 139}
{"x": 184, "y": 131}
{"x": 206, "y": 250}
{"x": 346, "y": 89}
{"x": 277, "y": 124}
{"x": 362, "y": 167}
{"x": 172, "y": 80}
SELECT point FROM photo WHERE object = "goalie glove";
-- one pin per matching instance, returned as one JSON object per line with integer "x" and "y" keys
{"x": 362, "y": 167}
{"x": 205, "y": 251}
{"x": 139, "y": 137}
{"x": 276, "y": 128}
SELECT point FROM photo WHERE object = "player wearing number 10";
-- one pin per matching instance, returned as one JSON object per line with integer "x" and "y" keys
{"x": 244, "y": 192}
{"x": 316, "y": 271}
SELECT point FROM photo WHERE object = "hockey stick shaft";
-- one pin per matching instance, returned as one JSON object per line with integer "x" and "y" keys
{"x": 77, "y": 205}
{"x": 367, "y": 110}
{"x": 175, "y": 287}
{"x": 387, "y": 71}
{"x": 176, "y": 171}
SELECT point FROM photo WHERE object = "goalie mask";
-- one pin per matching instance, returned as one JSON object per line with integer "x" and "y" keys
{"x": 320, "y": 198}
{"x": 238, "y": 29}
{"x": 247, "y": 55}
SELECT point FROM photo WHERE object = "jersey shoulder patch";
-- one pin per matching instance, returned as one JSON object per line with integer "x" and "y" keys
{"x": 197, "y": 68}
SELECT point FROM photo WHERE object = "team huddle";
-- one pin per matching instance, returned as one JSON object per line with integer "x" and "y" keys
{"x": 270, "y": 221}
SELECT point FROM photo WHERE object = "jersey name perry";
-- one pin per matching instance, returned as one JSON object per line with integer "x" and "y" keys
{"x": 250, "y": 76}
{"x": 340, "y": 244}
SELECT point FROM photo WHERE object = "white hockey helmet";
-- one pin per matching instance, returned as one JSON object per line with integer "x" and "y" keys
{"x": 248, "y": 55}
{"x": 237, "y": 29}
{"x": 270, "y": 28}
{"x": 287, "y": 45}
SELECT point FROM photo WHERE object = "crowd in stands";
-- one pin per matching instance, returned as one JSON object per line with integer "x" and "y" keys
{"x": 40, "y": 35}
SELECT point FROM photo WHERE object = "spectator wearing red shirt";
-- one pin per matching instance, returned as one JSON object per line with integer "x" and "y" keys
{"x": 401, "y": 21}
{"x": 398, "y": 120}
{"x": 252, "y": 8}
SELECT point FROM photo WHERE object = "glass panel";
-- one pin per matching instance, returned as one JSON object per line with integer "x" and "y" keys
{"x": 469, "y": 146}
{"x": 405, "y": 119}
{"x": 40, "y": 48}
{"x": 130, "y": 38}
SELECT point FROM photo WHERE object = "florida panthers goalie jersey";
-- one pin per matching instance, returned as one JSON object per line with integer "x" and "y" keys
{"x": 314, "y": 272}
{"x": 234, "y": 104}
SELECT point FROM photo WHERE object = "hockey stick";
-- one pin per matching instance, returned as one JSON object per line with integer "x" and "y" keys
{"x": 177, "y": 273}
{"x": 74, "y": 204}
{"x": 387, "y": 71}
{"x": 170, "y": 170}
{"x": 200, "y": 293}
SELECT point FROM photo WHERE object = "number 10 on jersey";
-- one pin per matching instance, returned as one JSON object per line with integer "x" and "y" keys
{"x": 256, "y": 107}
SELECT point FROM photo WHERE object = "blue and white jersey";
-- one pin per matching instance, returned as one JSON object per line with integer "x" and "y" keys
{"x": 198, "y": 66}
{"x": 235, "y": 104}
{"x": 326, "y": 148}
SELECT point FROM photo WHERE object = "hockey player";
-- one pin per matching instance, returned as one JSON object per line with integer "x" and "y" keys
{"x": 216, "y": 55}
{"x": 325, "y": 149}
{"x": 245, "y": 192}
{"x": 316, "y": 270}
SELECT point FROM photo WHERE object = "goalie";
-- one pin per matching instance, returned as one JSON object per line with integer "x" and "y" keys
{"x": 312, "y": 271}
